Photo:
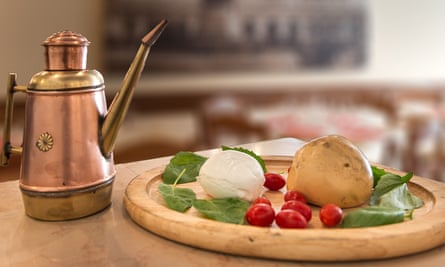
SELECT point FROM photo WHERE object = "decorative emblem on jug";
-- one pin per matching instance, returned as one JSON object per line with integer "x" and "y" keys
{"x": 45, "y": 142}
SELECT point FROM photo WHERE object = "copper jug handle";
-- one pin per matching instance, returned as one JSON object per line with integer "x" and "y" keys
{"x": 7, "y": 148}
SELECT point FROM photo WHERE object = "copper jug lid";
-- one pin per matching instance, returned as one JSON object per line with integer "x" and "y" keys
{"x": 66, "y": 50}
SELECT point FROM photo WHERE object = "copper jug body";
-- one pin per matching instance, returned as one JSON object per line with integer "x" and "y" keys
{"x": 67, "y": 169}
{"x": 64, "y": 174}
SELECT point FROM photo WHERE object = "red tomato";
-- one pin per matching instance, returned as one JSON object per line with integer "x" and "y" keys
{"x": 274, "y": 181}
{"x": 299, "y": 206}
{"x": 262, "y": 199}
{"x": 290, "y": 219}
{"x": 331, "y": 215}
{"x": 294, "y": 195}
{"x": 260, "y": 214}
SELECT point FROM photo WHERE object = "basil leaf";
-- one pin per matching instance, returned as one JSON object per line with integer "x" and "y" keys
{"x": 386, "y": 183}
{"x": 179, "y": 199}
{"x": 407, "y": 177}
{"x": 250, "y": 153}
{"x": 189, "y": 161}
{"x": 230, "y": 210}
{"x": 372, "y": 216}
{"x": 400, "y": 197}
{"x": 377, "y": 174}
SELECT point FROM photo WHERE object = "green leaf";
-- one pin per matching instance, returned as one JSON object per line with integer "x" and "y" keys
{"x": 401, "y": 198}
{"x": 230, "y": 210}
{"x": 372, "y": 216}
{"x": 179, "y": 199}
{"x": 407, "y": 177}
{"x": 189, "y": 161}
{"x": 386, "y": 183}
{"x": 377, "y": 173}
{"x": 250, "y": 153}
{"x": 391, "y": 191}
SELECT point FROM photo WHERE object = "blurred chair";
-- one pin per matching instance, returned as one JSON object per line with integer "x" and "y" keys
{"x": 423, "y": 151}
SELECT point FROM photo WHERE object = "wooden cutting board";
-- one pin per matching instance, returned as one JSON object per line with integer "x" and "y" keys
{"x": 316, "y": 243}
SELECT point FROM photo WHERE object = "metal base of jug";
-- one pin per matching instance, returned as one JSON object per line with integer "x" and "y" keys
{"x": 67, "y": 205}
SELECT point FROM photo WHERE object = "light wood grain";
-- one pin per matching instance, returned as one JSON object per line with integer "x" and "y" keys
{"x": 427, "y": 230}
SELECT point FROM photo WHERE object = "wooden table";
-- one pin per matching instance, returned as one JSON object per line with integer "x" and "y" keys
{"x": 111, "y": 238}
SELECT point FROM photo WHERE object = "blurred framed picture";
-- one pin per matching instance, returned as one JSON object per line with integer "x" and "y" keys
{"x": 240, "y": 35}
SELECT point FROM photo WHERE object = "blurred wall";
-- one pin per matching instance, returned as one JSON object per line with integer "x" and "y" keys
{"x": 24, "y": 25}
{"x": 406, "y": 38}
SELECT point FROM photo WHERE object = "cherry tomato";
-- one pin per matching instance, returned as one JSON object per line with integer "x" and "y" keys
{"x": 260, "y": 214}
{"x": 262, "y": 199}
{"x": 290, "y": 219}
{"x": 331, "y": 215}
{"x": 299, "y": 206}
{"x": 274, "y": 181}
{"x": 294, "y": 195}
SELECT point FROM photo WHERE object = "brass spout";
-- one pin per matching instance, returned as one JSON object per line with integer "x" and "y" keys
{"x": 119, "y": 106}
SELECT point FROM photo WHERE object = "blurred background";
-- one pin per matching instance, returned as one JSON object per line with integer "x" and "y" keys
{"x": 227, "y": 72}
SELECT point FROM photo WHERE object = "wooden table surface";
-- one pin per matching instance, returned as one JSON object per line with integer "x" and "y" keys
{"x": 111, "y": 238}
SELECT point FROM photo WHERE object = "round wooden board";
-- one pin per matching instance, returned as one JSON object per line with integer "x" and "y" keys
{"x": 316, "y": 243}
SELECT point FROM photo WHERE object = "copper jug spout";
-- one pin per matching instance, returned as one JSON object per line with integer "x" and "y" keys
{"x": 119, "y": 106}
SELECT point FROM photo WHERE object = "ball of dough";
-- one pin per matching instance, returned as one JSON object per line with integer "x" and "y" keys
{"x": 331, "y": 169}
